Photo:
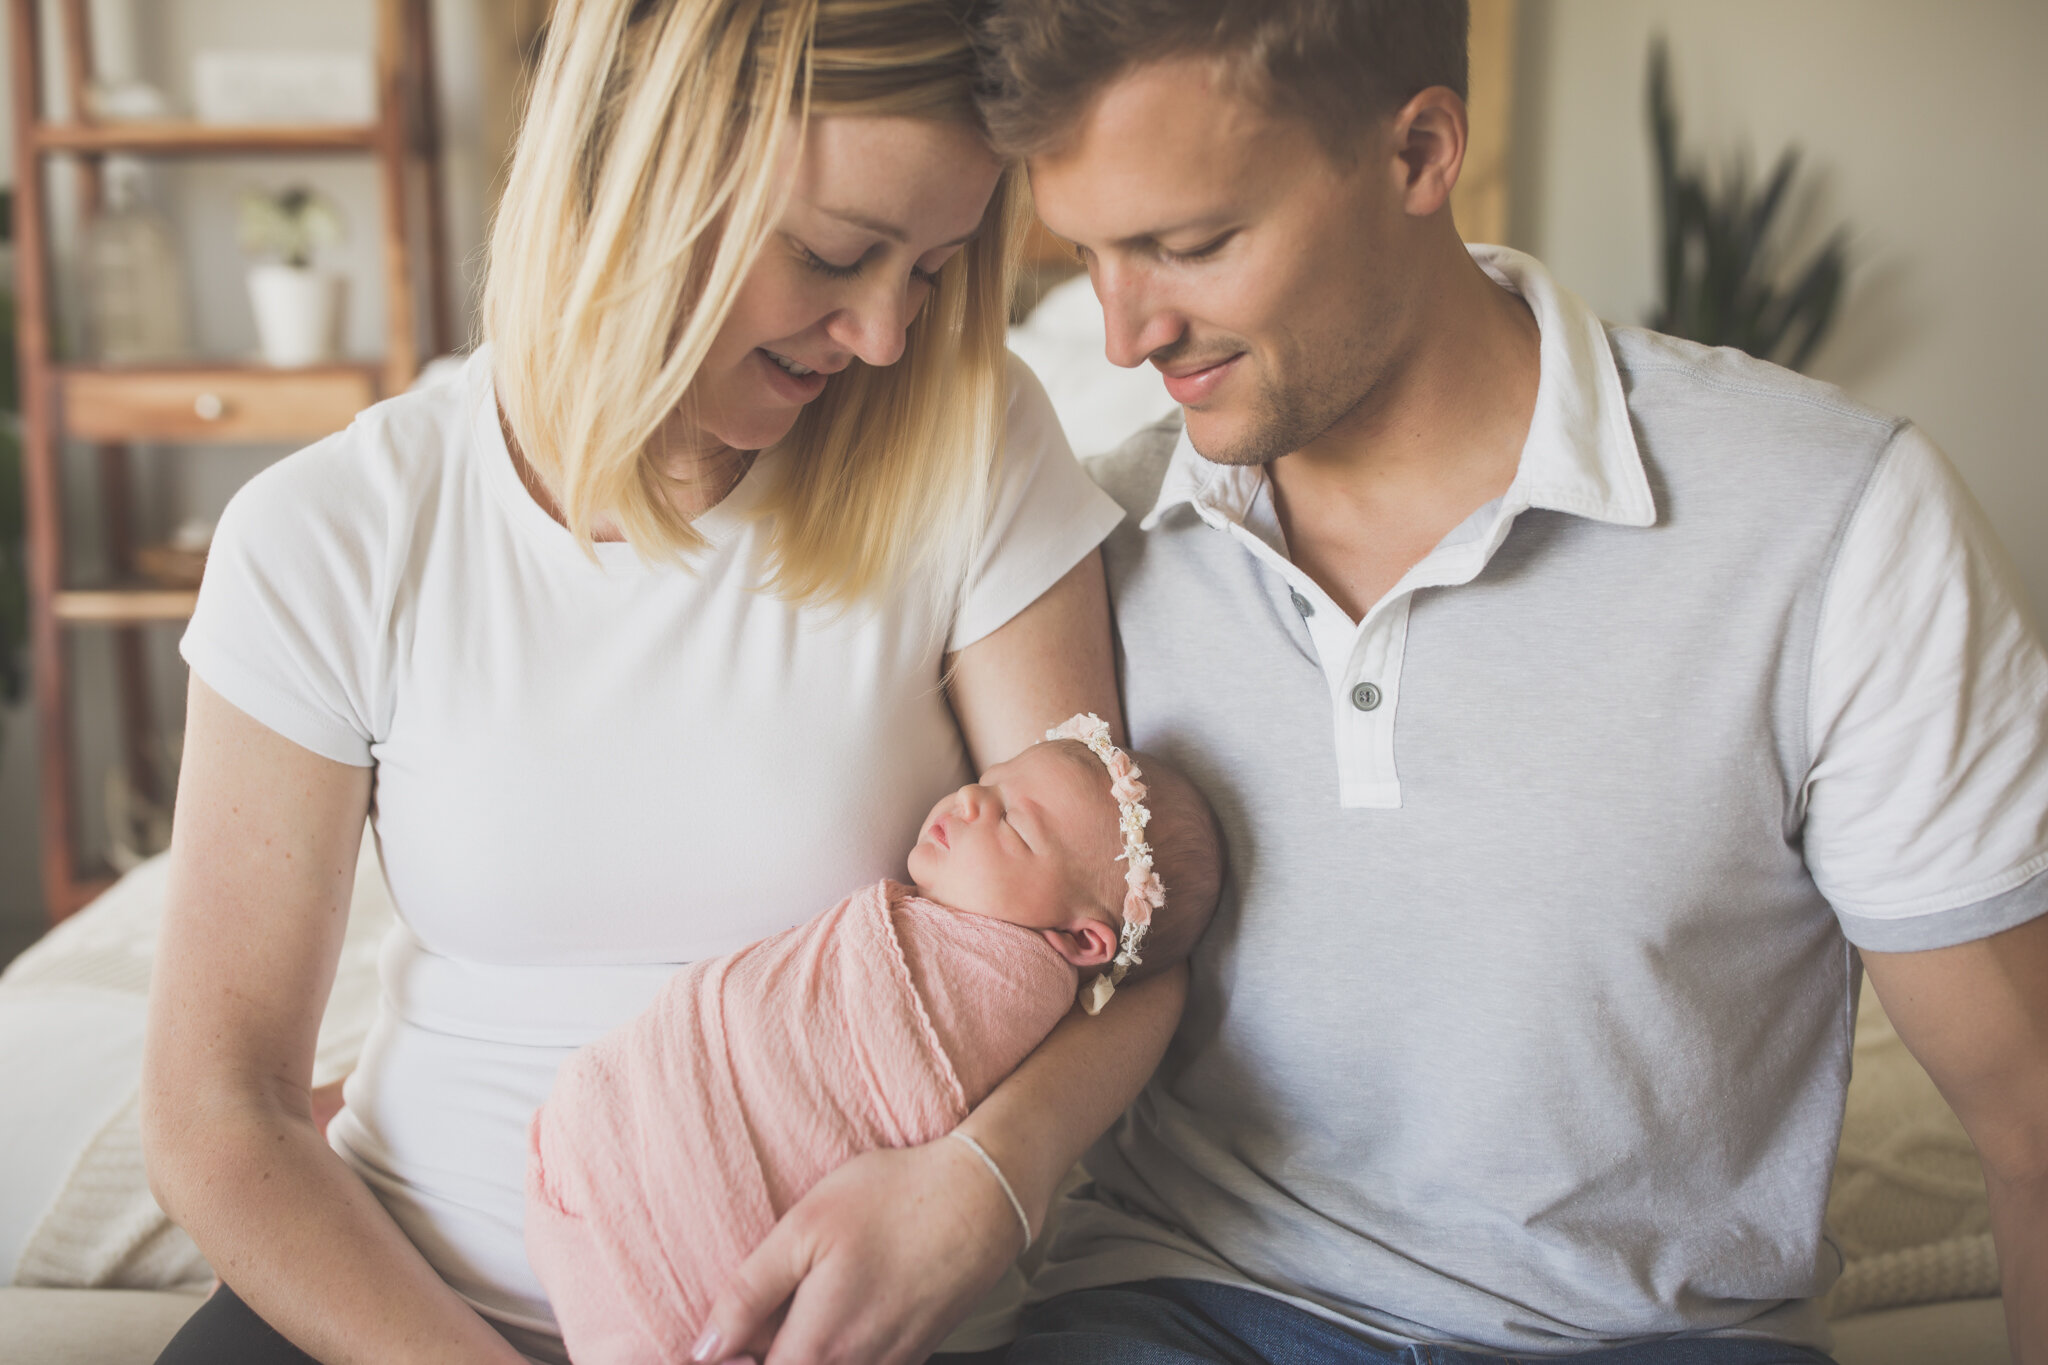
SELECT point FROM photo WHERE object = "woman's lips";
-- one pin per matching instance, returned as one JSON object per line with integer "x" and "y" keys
{"x": 794, "y": 388}
{"x": 1191, "y": 389}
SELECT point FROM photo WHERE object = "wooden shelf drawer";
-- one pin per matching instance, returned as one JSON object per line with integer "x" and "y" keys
{"x": 224, "y": 404}
{"x": 123, "y": 606}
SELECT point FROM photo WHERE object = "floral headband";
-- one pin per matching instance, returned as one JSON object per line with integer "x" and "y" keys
{"x": 1142, "y": 892}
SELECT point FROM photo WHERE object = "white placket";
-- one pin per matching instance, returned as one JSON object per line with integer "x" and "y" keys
{"x": 1361, "y": 663}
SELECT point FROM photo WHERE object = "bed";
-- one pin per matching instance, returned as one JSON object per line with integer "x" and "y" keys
{"x": 93, "y": 1272}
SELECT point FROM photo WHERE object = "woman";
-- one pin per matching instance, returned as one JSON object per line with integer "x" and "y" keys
{"x": 602, "y": 676}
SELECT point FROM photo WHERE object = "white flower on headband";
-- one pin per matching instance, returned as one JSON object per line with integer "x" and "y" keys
{"x": 1142, "y": 892}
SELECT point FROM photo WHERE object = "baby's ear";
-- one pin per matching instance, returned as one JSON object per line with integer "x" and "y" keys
{"x": 1085, "y": 942}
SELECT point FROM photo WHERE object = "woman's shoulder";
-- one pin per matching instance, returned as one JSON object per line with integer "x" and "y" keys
{"x": 1026, "y": 402}
{"x": 368, "y": 484}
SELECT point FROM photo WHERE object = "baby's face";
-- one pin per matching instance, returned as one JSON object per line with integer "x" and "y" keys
{"x": 1034, "y": 843}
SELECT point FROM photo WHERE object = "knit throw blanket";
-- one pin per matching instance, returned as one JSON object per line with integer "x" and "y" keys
{"x": 669, "y": 1148}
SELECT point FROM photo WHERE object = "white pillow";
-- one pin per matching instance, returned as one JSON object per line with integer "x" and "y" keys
{"x": 1098, "y": 404}
{"x": 75, "y": 1207}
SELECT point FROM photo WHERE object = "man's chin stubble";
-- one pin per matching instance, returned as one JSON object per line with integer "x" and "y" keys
{"x": 1278, "y": 427}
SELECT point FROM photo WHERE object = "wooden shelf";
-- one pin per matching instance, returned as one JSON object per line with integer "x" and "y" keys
{"x": 122, "y": 606}
{"x": 175, "y": 138}
{"x": 201, "y": 402}
{"x": 112, "y": 407}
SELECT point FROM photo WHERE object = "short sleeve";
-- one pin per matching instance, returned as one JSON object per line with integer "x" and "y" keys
{"x": 1927, "y": 800}
{"x": 1045, "y": 515}
{"x": 285, "y": 627}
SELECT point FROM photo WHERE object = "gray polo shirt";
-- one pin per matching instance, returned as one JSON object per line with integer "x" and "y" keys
{"x": 1525, "y": 1022}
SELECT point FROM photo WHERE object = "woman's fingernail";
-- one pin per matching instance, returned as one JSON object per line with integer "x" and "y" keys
{"x": 706, "y": 1347}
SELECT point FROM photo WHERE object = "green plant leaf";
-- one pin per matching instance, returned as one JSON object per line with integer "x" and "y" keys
{"x": 1723, "y": 284}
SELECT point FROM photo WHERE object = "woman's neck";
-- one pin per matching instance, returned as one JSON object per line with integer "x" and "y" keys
{"x": 694, "y": 479}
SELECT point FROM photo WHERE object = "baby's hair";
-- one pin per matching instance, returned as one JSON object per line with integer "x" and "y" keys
{"x": 1187, "y": 854}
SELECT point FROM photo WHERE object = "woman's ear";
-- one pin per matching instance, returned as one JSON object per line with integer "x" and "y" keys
{"x": 1085, "y": 942}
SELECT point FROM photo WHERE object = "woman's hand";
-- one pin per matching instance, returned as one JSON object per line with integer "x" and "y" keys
{"x": 882, "y": 1258}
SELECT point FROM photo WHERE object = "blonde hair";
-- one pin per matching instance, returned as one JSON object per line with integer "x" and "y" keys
{"x": 642, "y": 187}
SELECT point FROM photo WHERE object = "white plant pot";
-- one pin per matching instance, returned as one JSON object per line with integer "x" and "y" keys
{"x": 298, "y": 313}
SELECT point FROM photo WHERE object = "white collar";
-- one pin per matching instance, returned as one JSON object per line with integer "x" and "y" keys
{"x": 1581, "y": 454}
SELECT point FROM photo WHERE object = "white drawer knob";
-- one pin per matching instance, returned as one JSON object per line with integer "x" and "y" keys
{"x": 208, "y": 407}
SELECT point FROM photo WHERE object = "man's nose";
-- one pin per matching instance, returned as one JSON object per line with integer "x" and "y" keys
{"x": 874, "y": 322}
{"x": 1135, "y": 322}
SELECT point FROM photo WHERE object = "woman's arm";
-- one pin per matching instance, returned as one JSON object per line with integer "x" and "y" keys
{"x": 883, "y": 1256}
{"x": 263, "y": 857}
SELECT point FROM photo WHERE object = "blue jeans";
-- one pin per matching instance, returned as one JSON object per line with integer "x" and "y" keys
{"x": 1189, "y": 1322}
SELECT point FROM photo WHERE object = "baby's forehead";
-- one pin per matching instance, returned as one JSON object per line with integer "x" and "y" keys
{"x": 1062, "y": 769}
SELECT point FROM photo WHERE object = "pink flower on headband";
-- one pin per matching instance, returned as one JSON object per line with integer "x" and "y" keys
{"x": 1143, "y": 893}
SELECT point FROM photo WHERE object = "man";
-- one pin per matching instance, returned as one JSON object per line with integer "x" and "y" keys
{"x": 1582, "y": 706}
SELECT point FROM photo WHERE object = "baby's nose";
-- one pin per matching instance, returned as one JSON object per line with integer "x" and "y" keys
{"x": 972, "y": 800}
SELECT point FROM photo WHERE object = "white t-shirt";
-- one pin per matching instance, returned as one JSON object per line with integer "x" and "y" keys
{"x": 587, "y": 773}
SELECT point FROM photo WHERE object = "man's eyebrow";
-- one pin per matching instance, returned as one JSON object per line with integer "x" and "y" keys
{"x": 882, "y": 228}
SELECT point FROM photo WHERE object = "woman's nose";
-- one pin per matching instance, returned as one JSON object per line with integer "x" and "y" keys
{"x": 874, "y": 324}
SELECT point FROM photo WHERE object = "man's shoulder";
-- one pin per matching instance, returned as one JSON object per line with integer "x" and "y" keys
{"x": 1133, "y": 472}
{"x": 1674, "y": 385}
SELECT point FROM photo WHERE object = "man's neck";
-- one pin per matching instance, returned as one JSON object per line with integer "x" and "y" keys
{"x": 1440, "y": 436}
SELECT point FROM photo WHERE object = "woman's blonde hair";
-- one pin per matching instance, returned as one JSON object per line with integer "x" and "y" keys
{"x": 643, "y": 185}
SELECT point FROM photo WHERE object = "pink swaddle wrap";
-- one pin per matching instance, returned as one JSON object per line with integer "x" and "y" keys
{"x": 669, "y": 1148}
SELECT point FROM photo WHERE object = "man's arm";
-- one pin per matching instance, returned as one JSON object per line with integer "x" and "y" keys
{"x": 1976, "y": 1015}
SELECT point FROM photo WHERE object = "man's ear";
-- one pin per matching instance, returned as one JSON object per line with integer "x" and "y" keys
{"x": 1085, "y": 942}
{"x": 1430, "y": 131}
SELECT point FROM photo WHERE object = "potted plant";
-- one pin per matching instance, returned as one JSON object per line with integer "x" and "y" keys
{"x": 1725, "y": 280}
{"x": 298, "y": 306}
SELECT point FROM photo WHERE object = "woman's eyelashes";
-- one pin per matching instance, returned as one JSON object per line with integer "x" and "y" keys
{"x": 853, "y": 269}
{"x": 828, "y": 269}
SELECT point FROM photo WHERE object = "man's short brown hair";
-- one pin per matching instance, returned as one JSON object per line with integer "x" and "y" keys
{"x": 1338, "y": 64}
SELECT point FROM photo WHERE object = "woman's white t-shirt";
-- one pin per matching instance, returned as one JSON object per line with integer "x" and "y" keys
{"x": 587, "y": 773}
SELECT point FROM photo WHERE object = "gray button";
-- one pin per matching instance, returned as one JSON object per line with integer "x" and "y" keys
{"x": 1365, "y": 697}
{"x": 1303, "y": 605}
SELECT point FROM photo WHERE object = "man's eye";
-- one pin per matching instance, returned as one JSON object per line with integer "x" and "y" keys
{"x": 1202, "y": 252}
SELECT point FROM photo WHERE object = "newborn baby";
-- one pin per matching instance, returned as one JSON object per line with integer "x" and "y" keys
{"x": 669, "y": 1148}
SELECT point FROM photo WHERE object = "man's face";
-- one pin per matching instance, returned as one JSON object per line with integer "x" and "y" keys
{"x": 1262, "y": 278}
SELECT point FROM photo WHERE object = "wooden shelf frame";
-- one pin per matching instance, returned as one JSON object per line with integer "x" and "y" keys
{"x": 168, "y": 138}
{"x": 215, "y": 403}
{"x": 123, "y": 606}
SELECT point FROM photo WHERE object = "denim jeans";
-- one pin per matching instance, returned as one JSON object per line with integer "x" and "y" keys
{"x": 1189, "y": 1322}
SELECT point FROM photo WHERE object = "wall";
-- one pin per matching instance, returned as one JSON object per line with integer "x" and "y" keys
{"x": 1929, "y": 124}
{"x": 198, "y": 198}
